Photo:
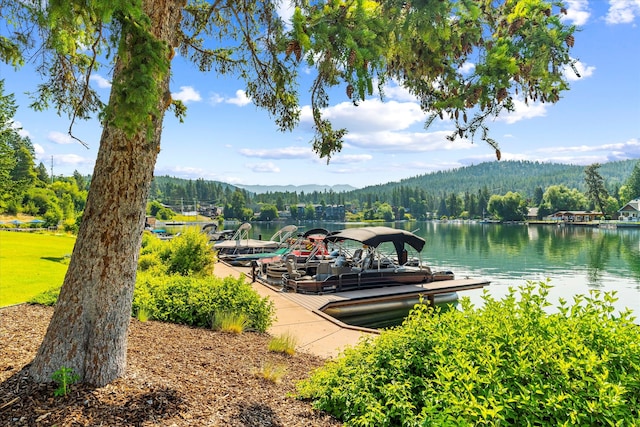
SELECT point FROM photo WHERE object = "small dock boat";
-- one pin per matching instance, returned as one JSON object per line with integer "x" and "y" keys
{"x": 239, "y": 249}
{"x": 380, "y": 260}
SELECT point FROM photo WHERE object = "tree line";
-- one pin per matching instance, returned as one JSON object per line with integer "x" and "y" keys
{"x": 468, "y": 192}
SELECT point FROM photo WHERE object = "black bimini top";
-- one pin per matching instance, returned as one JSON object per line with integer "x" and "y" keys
{"x": 374, "y": 236}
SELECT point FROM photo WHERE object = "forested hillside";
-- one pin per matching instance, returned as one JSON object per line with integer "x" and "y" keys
{"x": 500, "y": 177}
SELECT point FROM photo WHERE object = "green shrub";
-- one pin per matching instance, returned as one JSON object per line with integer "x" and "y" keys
{"x": 194, "y": 300}
{"x": 151, "y": 261}
{"x": 48, "y": 297}
{"x": 507, "y": 363}
{"x": 152, "y": 244}
{"x": 190, "y": 254}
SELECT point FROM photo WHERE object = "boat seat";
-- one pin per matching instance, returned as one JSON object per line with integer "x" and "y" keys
{"x": 357, "y": 254}
{"x": 363, "y": 265}
{"x": 366, "y": 263}
{"x": 323, "y": 271}
{"x": 291, "y": 269}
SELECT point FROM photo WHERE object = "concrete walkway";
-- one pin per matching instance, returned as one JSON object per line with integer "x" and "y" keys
{"x": 315, "y": 334}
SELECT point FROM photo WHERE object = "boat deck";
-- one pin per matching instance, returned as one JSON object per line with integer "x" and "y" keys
{"x": 317, "y": 302}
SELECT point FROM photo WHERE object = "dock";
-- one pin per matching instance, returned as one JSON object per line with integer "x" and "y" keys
{"x": 318, "y": 333}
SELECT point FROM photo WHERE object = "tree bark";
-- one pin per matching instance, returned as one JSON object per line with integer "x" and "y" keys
{"x": 88, "y": 330}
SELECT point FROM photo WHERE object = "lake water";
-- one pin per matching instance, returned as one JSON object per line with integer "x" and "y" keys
{"x": 576, "y": 259}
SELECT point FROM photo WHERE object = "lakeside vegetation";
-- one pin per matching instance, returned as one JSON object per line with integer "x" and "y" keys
{"x": 510, "y": 362}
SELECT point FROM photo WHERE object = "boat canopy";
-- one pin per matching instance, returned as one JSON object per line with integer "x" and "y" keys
{"x": 374, "y": 236}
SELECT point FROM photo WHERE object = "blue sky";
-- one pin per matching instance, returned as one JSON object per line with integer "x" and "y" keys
{"x": 226, "y": 138}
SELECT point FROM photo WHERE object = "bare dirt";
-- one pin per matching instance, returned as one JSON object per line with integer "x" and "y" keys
{"x": 176, "y": 376}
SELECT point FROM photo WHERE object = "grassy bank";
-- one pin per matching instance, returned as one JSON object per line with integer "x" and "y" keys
{"x": 31, "y": 263}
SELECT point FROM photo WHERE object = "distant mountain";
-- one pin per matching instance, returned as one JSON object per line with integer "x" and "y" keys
{"x": 261, "y": 189}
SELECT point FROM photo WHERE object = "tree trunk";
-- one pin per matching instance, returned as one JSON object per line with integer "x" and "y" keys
{"x": 88, "y": 331}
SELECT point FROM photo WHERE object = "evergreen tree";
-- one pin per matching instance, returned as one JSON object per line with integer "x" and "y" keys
{"x": 633, "y": 183}
{"x": 596, "y": 190}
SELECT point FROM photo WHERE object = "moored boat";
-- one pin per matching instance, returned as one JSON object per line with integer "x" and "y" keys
{"x": 239, "y": 249}
{"x": 306, "y": 251}
{"x": 382, "y": 260}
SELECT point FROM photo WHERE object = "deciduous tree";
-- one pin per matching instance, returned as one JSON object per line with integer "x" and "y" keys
{"x": 520, "y": 49}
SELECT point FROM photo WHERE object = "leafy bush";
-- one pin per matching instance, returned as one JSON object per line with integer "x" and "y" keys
{"x": 507, "y": 363}
{"x": 194, "y": 300}
{"x": 48, "y": 297}
{"x": 151, "y": 261}
{"x": 190, "y": 254}
{"x": 186, "y": 254}
{"x": 152, "y": 244}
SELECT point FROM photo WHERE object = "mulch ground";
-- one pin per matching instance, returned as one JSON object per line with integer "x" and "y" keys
{"x": 176, "y": 376}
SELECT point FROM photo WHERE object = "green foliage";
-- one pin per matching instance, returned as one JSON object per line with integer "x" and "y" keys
{"x": 510, "y": 207}
{"x": 64, "y": 377}
{"x": 190, "y": 254}
{"x": 517, "y": 47}
{"x": 48, "y": 298}
{"x": 596, "y": 191}
{"x": 151, "y": 261}
{"x": 632, "y": 185}
{"x": 162, "y": 213}
{"x": 507, "y": 363}
{"x": 268, "y": 212}
{"x": 195, "y": 300}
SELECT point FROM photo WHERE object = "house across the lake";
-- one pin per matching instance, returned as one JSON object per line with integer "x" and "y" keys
{"x": 576, "y": 216}
{"x": 630, "y": 211}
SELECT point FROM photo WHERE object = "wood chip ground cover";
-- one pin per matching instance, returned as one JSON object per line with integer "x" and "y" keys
{"x": 176, "y": 376}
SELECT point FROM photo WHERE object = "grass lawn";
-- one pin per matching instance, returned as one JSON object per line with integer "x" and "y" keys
{"x": 31, "y": 263}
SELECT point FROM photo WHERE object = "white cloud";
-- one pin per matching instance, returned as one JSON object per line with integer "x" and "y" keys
{"x": 266, "y": 167}
{"x": 622, "y": 11}
{"x": 406, "y": 141}
{"x": 38, "y": 150}
{"x": 370, "y": 115}
{"x": 240, "y": 99}
{"x": 279, "y": 153}
{"x": 216, "y": 99}
{"x": 523, "y": 111}
{"x": 100, "y": 81}
{"x": 467, "y": 68}
{"x": 348, "y": 159}
{"x": 17, "y": 126}
{"x": 607, "y": 152}
{"x": 398, "y": 93}
{"x": 577, "y": 12}
{"x": 285, "y": 11}
{"x": 60, "y": 138}
{"x": 71, "y": 160}
{"x": 583, "y": 70}
{"x": 187, "y": 94}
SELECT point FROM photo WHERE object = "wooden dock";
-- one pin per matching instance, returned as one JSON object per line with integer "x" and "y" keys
{"x": 429, "y": 291}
